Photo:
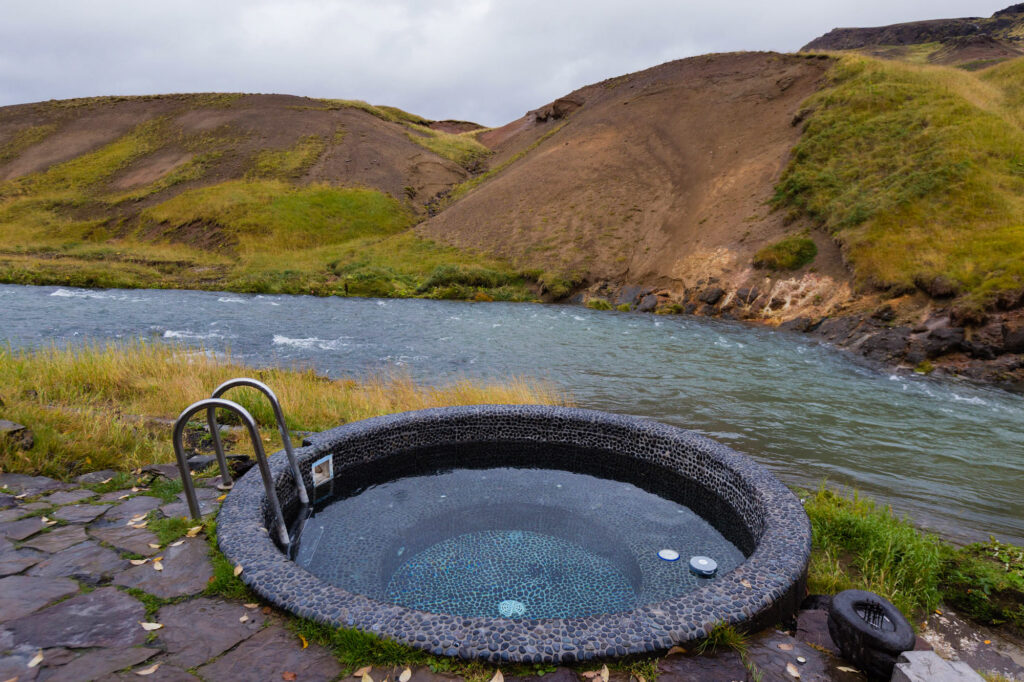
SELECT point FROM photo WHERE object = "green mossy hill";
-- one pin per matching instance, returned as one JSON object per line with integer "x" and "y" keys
{"x": 268, "y": 210}
{"x": 918, "y": 171}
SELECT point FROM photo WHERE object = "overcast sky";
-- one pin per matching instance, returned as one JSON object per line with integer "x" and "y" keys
{"x": 482, "y": 60}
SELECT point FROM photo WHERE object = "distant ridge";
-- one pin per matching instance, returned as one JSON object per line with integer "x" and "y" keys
{"x": 968, "y": 42}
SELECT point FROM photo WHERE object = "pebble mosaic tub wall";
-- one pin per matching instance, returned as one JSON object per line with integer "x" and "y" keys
{"x": 760, "y": 515}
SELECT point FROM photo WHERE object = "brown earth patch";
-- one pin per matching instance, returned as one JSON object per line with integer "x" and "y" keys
{"x": 151, "y": 169}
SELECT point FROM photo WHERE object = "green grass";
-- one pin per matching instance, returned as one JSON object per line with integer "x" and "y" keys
{"x": 462, "y": 148}
{"x": 93, "y": 407}
{"x": 985, "y": 581}
{"x": 288, "y": 163}
{"x": 857, "y": 544}
{"x": 915, "y": 170}
{"x": 791, "y": 253}
{"x": 169, "y": 529}
{"x": 598, "y": 304}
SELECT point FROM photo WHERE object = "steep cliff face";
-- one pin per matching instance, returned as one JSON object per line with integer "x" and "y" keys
{"x": 970, "y": 42}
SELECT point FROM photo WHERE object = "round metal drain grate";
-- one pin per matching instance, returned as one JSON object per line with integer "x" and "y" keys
{"x": 510, "y": 608}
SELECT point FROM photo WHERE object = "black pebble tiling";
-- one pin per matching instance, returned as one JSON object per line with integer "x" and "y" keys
{"x": 734, "y": 493}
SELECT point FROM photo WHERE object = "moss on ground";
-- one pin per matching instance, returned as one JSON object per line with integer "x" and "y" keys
{"x": 917, "y": 171}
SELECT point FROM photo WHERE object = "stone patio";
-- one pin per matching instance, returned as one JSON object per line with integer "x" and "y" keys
{"x": 69, "y": 609}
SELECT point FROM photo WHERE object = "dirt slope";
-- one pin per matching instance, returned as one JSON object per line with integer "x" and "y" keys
{"x": 659, "y": 177}
{"x": 969, "y": 42}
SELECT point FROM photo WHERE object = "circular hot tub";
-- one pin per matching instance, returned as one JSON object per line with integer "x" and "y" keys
{"x": 523, "y": 533}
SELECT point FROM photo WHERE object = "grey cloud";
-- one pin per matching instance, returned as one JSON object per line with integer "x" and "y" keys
{"x": 483, "y": 60}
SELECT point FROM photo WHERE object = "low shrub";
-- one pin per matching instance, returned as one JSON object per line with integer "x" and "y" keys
{"x": 792, "y": 253}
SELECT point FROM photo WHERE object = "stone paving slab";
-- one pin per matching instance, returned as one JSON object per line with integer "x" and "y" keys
{"x": 126, "y": 538}
{"x": 14, "y": 664}
{"x": 35, "y": 506}
{"x": 117, "y": 496}
{"x": 198, "y": 630}
{"x": 186, "y": 571}
{"x": 20, "y": 530}
{"x": 18, "y": 560}
{"x": 269, "y": 654}
{"x": 96, "y": 665}
{"x": 68, "y": 496}
{"x": 8, "y": 515}
{"x": 165, "y": 673}
{"x": 180, "y": 509}
{"x": 80, "y": 513}
{"x": 19, "y": 484}
{"x": 87, "y": 561}
{"x": 132, "y": 508}
{"x": 20, "y": 595}
{"x": 57, "y": 539}
{"x": 7, "y": 501}
{"x": 95, "y": 477}
{"x": 105, "y": 617}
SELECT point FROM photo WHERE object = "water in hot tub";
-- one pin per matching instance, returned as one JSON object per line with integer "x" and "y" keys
{"x": 510, "y": 542}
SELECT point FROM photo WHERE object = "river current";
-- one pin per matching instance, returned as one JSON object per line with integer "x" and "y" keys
{"x": 949, "y": 454}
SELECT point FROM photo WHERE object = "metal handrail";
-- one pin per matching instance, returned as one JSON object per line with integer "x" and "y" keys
{"x": 211, "y": 420}
{"x": 211, "y": 404}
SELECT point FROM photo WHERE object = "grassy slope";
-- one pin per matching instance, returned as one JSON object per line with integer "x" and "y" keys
{"x": 263, "y": 232}
{"x": 106, "y": 407}
{"x": 918, "y": 171}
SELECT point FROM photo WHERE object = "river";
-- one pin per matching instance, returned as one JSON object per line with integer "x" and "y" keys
{"x": 949, "y": 454}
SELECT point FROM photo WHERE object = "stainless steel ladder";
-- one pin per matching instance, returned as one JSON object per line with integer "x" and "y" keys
{"x": 210, "y": 405}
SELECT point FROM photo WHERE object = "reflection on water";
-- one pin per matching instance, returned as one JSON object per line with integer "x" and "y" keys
{"x": 950, "y": 455}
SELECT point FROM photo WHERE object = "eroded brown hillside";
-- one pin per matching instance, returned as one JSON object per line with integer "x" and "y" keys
{"x": 661, "y": 177}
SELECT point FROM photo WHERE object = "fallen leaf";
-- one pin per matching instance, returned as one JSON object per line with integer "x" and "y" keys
{"x": 604, "y": 673}
{"x": 137, "y": 562}
{"x": 406, "y": 674}
{"x": 846, "y": 669}
{"x": 238, "y": 570}
{"x": 222, "y": 498}
{"x": 786, "y": 647}
{"x": 106, "y": 480}
{"x": 640, "y": 678}
{"x": 267, "y": 610}
{"x": 157, "y": 566}
{"x": 245, "y": 617}
{"x": 136, "y": 519}
{"x": 251, "y": 606}
{"x": 288, "y": 675}
{"x": 21, "y": 496}
{"x": 676, "y": 650}
{"x": 938, "y": 612}
{"x": 745, "y": 583}
{"x": 791, "y": 669}
{"x": 590, "y": 674}
{"x": 36, "y": 660}
{"x": 124, "y": 497}
{"x": 362, "y": 671}
{"x": 140, "y": 524}
{"x": 366, "y": 678}
{"x": 150, "y": 626}
{"x": 193, "y": 531}
{"x": 305, "y": 644}
{"x": 148, "y": 671}
{"x": 801, "y": 660}
{"x": 498, "y": 677}
{"x": 153, "y": 545}
{"x": 988, "y": 641}
{"x": 175, "y": 544}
